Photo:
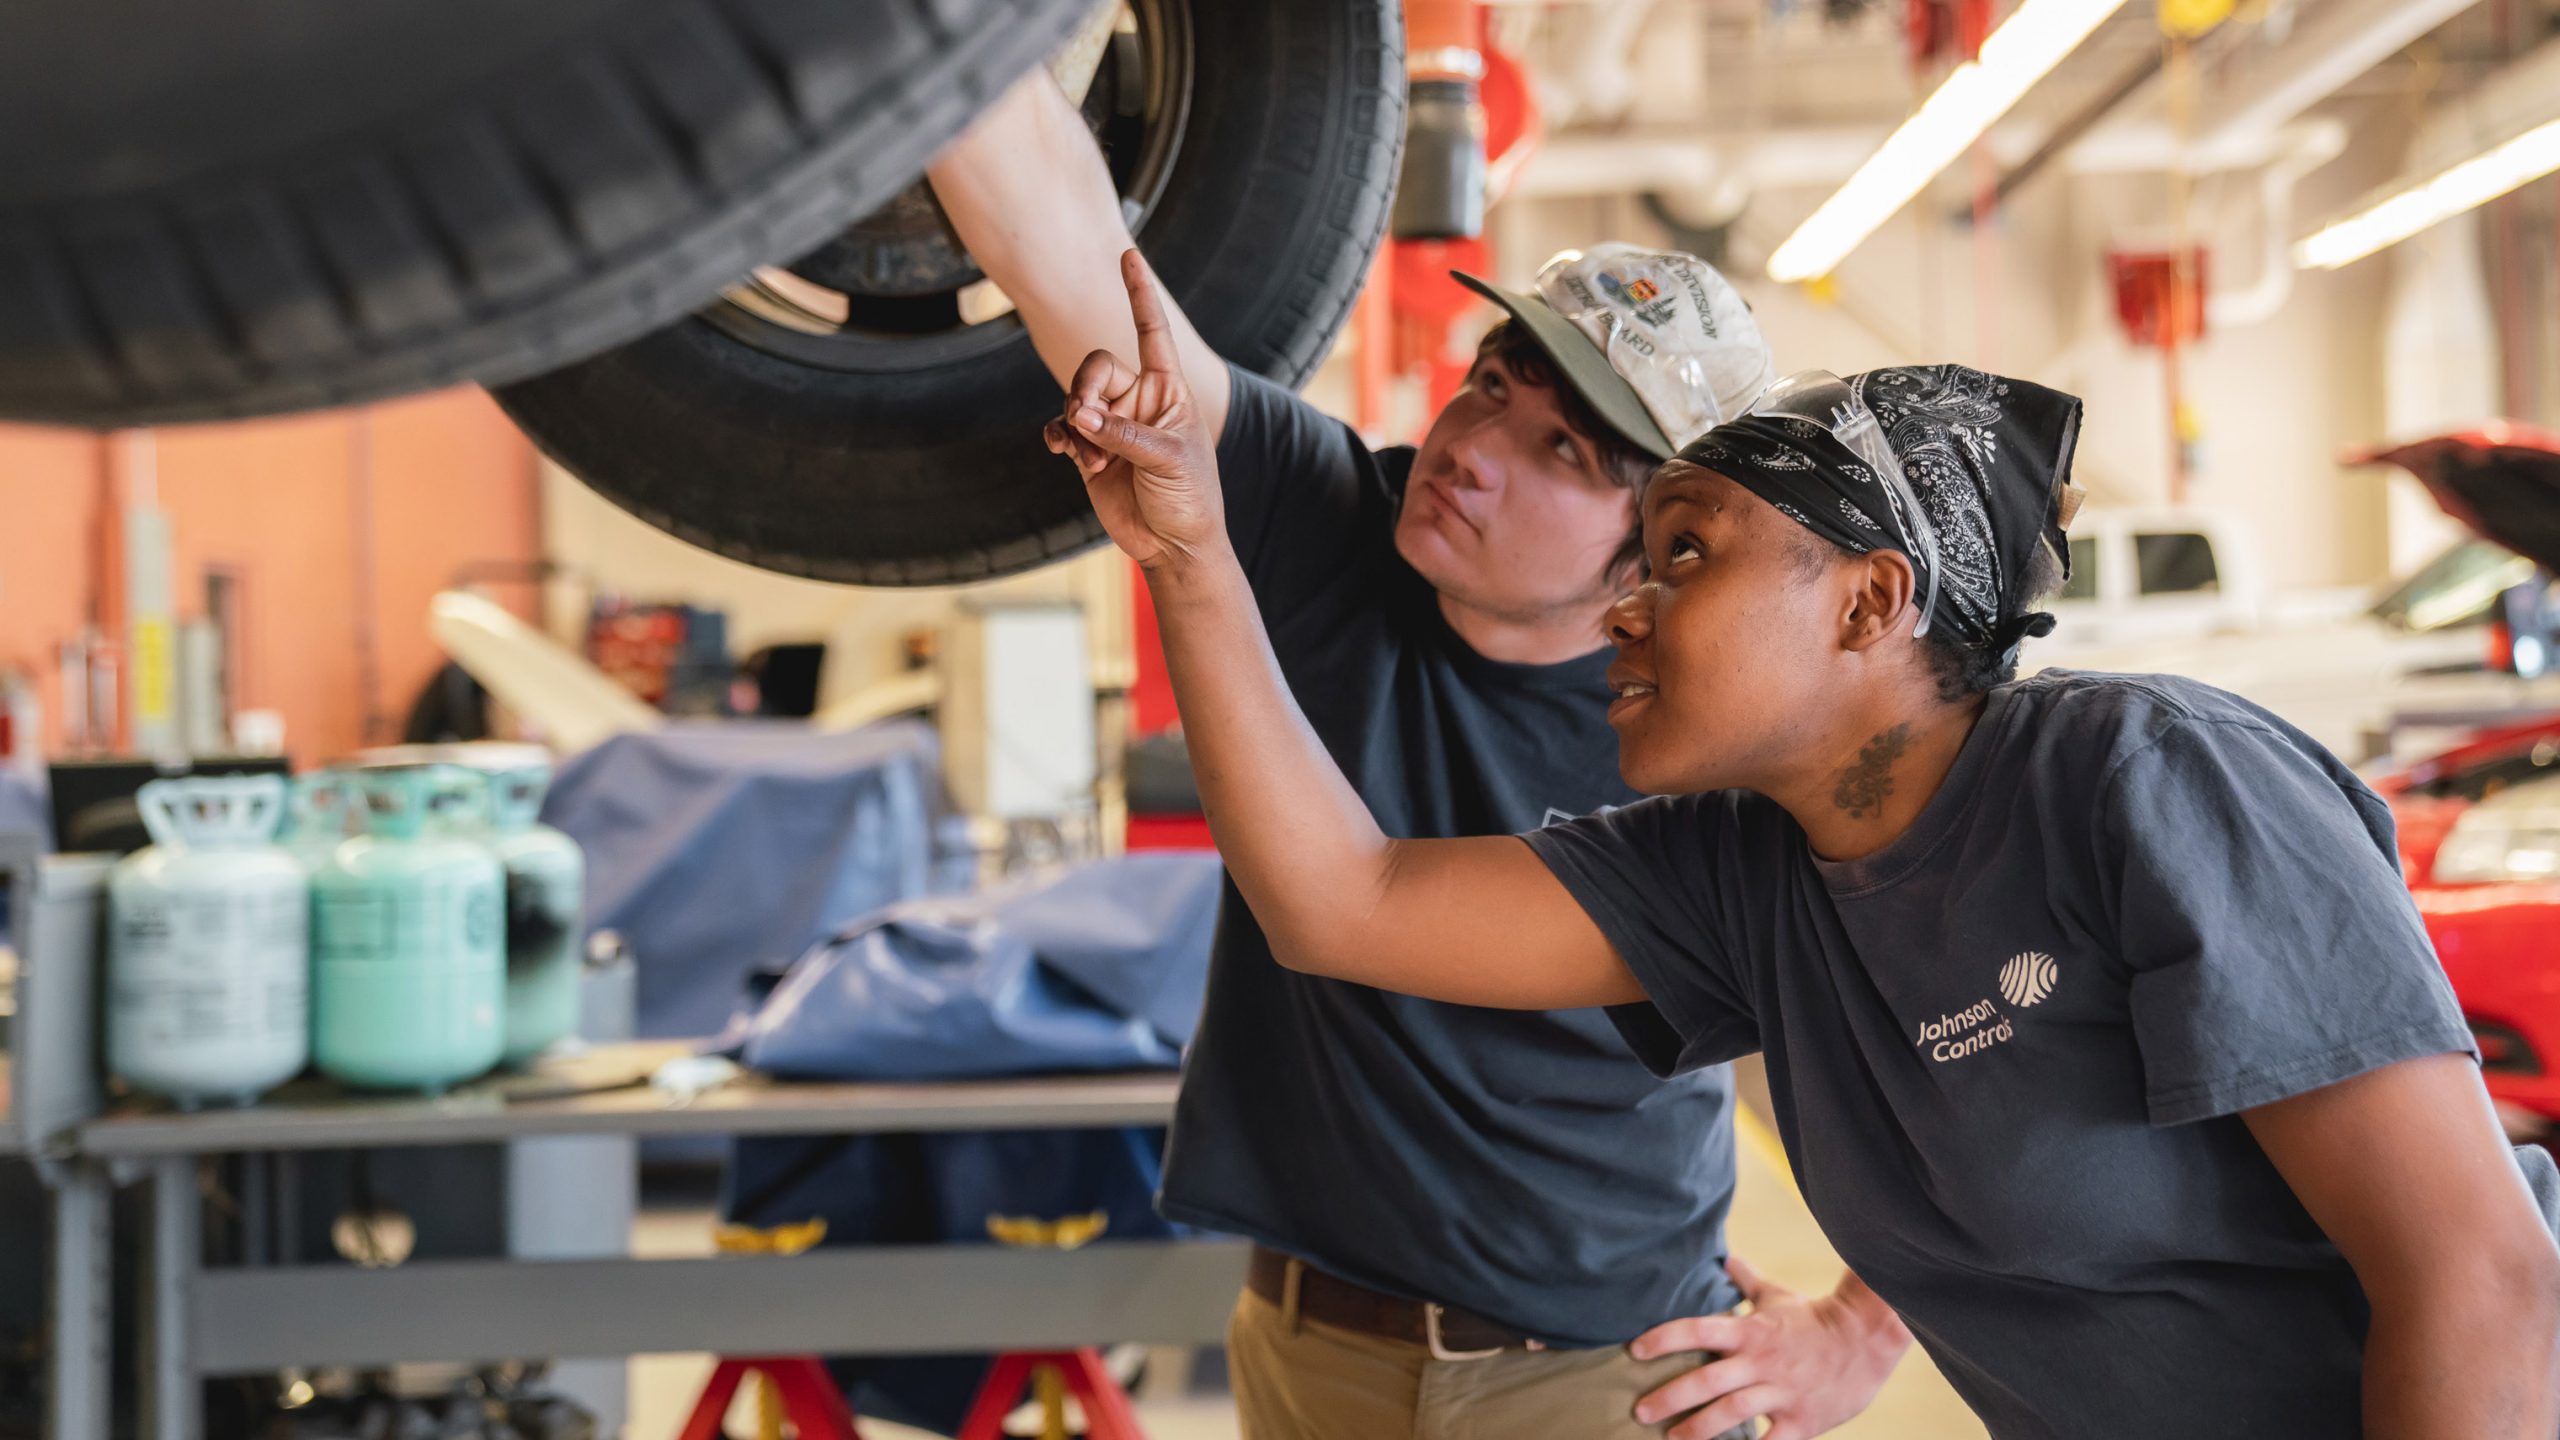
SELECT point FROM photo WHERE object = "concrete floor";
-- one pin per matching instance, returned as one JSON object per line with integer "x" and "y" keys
{"x": 1770, "y": 1228}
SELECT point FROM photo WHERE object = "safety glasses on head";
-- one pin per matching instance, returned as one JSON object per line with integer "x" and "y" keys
{"x": 1821, "y": 398}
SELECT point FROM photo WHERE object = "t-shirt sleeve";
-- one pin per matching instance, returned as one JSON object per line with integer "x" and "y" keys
{"x": 1301, "y": 489}
{"x": 2273, "y": 945}
{"x": 1646, "y": 875}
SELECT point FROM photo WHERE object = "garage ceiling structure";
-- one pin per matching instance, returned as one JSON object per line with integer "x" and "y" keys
{"x": 666, "y": 231}
{"x": 1791, "y": 94}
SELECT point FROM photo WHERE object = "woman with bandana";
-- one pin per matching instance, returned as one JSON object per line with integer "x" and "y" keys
{"x": 2104, "y": 1039}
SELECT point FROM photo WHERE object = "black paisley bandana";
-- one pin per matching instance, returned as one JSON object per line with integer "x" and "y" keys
{"x": 1988, "y": 457}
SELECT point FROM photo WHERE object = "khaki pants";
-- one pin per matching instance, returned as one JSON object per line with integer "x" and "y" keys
{"x": 1309, "y": 1381}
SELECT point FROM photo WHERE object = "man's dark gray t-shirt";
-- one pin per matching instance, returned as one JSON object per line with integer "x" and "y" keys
{"x": 2009, "y": 1050}
{"x": 1524, "y": 1166}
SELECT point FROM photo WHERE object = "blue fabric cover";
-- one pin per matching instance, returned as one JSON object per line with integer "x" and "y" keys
{"x": 1101, "y": 968}
{"x": 718, "y": 850}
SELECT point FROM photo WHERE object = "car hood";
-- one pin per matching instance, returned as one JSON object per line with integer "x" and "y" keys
{"x": 2501, "y": 480}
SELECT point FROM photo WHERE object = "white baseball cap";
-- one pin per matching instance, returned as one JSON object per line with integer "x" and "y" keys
{"x": 1658, "y": 341}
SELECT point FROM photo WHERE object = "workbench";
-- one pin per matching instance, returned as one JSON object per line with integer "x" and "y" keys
{"x": 203, "y": 1321}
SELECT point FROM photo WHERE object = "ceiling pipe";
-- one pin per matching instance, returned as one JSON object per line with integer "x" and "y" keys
{"x": 2068, "y": 133}
{"x": 1625, "y": 162}
{"x": 2338, "y": 43}
{"x": 2282, "y": 158}
{"x": 1599, "y": 82}
{"x": 2455, "y": 156}
{"x": 2257, "y": 123}
{"x": 2314, "y": 143}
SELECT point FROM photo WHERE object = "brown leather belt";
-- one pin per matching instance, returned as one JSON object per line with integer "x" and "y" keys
{"x": 1331, "y": 1300}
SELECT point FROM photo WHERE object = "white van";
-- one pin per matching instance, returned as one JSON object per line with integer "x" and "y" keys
{"x": 2150, "y": 575}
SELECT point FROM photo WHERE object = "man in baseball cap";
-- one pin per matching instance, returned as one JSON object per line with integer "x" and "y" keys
{"x": 1462, "y": 1217}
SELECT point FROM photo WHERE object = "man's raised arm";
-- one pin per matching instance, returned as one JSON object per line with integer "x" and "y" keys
{"x": 1026, "y": 188}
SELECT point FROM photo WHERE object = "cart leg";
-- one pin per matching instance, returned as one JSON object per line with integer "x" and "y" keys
{"x": 173, "y": 1402}
{"x": 81, "y": 1301}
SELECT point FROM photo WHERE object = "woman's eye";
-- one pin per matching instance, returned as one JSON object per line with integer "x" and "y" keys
{"x": 1490, "y": 382}
{"x": 1566, "y": 450}
{"x": 1681, "y": 548}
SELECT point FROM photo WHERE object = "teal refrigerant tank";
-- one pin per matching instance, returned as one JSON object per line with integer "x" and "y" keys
{"x": 317, "y": 816}
{"x": 546, "y": 891}
{"x": 209, "y": 963}
{"x": 409, "y": 937}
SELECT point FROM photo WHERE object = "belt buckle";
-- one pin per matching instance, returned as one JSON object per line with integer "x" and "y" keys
{"x": 1439, "y": 1348}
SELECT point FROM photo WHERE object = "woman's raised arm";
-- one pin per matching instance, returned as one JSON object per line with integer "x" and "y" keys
{"x": 1476, "y": 921}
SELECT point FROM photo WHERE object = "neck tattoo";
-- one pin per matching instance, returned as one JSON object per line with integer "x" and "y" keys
{"x": 1864, "y": 785}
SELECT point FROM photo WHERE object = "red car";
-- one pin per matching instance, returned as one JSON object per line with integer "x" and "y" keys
{"x": 2480, "y": 824}
{"x": 2480, "y": 842}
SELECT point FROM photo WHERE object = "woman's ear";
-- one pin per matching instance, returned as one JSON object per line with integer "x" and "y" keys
{"x": 1882, "y": 600}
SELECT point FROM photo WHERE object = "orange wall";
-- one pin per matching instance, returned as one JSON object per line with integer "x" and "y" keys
{"x": 279, "y": 503}
{"x": 50, "y": 483}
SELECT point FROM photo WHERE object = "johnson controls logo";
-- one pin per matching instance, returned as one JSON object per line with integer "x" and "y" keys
{"x": 2028, "y": 978}
{"x": 2024, "y": 981}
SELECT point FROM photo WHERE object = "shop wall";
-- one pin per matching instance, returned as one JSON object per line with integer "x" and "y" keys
{"x": 338, "y": 526}
{"x": 51, "y": 483}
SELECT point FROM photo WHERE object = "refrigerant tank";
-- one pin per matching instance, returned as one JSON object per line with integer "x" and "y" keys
{"x": 546, "y": 890}
{"x": 209, "y": 964}
{"x": 408, "y": 939}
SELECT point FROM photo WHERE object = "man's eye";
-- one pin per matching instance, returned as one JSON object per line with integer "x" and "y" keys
{"x": 1681, "y": 548}
{"x": 1490, "y": 382}
{"x": 1566, "y": 450}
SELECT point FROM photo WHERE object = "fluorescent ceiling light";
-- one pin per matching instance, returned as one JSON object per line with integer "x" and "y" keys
{"x": 1975, "y": 94}
{"x": 2467, "y": 186}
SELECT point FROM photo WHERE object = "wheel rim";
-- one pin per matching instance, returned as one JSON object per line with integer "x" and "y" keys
{"x": 896, "y": 292}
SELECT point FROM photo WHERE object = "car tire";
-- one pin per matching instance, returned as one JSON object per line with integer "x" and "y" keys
{"x": 210, "y": 211}
{"x": 885, "y": 467}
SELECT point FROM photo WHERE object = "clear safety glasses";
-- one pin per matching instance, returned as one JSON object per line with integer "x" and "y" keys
{"x": 1824, "y": 399}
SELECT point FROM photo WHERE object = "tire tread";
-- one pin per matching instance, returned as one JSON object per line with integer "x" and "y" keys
{"x": 505, "y": 232}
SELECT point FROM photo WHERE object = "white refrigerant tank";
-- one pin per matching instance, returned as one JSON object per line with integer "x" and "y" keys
{"x": 209, "y": 961}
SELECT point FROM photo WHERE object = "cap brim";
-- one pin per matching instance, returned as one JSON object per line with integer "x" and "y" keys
{"x": 1581, "y": 364}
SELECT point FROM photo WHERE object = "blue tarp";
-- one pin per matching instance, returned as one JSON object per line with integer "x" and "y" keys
{"x": 721, "y": 850}
{"x": 1101, "y": 968}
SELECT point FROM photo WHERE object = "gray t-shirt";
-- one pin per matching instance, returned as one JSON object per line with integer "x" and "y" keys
{"x": 2007, "y": 1052}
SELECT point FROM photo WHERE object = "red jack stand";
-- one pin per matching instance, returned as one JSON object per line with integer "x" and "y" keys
{"x": 1107, "y": 1415}
{"x": 807, "y": 1397}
